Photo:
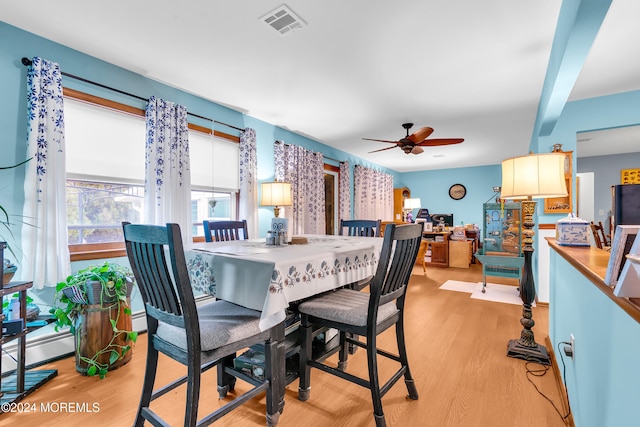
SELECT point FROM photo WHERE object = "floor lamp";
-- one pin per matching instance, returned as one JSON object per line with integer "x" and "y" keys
{"x": 525, "y": 178}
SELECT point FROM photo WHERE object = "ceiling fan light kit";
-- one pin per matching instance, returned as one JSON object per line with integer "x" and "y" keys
{"x": 412, "y": 144}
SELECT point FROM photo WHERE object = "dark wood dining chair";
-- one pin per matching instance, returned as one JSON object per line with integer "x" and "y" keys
{"x": 369, "y": 314}
{"x": 199, "y": 337}
{"x": 599, "y": 236}
{"x": 360, "y": 227}
{"x": 216, "y": 231}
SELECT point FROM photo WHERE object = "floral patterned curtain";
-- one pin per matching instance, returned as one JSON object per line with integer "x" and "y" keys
{"x": 45, "y": 250}
{"x": 304, "y": 169}
{"x": 248, "y": 208}
{"x": 373, "y": 194}
{"x": 167, "y": 191}
{"x": 344, "y": 211}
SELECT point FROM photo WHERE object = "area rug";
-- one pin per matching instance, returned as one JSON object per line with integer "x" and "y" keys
{"x": 498, "y": 293}
{"x": 455, "y": 285}
{"x": 493, "y": 291}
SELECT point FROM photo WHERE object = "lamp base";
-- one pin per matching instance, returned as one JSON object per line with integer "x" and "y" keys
{"x": 536, "y": 354}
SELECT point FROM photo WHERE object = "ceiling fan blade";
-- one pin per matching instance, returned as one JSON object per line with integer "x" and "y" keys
{"x": 380, "y": 140}
{"x": 420, "y": 134}
{"x": 442, "y": 141}
{"x": 417, "y": 150}
{"x": 382, "y": 149}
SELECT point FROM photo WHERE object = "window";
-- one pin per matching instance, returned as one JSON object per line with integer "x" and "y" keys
{"x": 105, "y": 171}
{"x": 95, "y": 210}
{"x": 209, "y": 205}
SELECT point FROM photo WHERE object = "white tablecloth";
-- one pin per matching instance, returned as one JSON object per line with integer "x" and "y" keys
{"x": 268, "y": 278}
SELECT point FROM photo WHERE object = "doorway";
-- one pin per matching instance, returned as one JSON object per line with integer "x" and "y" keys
{"x": 331, "y": 201}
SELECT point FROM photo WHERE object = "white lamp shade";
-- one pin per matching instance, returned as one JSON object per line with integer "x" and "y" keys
{"x": 412, "y": 203}
{"x": 276, "y": 194}
{"x": 535, "y": 175}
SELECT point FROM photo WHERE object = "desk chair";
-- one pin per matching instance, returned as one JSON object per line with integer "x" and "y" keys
{"x": 367, "y": 314}
{"x": 360, "y": 227}
{"x": 198, "y": 337}
{"x": 599, "y": 236}
{"x": 216, "y": 231}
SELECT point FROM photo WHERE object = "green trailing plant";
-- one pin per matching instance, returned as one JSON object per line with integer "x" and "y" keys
{"x": 109, "y": 285}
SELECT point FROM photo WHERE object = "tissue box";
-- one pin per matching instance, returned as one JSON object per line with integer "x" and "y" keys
{"x": 573, "y": 231}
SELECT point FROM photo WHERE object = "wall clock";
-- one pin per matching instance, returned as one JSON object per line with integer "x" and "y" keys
{"x": 457, "y": 191}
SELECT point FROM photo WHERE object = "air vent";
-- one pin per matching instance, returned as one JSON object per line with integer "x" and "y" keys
{"x": 283, "y": 20}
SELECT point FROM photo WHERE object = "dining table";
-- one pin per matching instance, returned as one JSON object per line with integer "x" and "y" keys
{"x": 269, "y": 278}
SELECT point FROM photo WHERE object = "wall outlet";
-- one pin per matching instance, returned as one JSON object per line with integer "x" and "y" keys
{"x": 573, "y": 345}
{"x": 570, "y": 347}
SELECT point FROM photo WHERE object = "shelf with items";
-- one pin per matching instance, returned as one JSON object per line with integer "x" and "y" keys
{"x": 399, "y": 196}
{"x": 562, "y": 204}
{"x": 326, "y": 342}
{"x": 16, "y": 386}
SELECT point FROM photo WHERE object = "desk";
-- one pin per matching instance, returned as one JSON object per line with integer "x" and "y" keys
{"x": 269, "y": 278}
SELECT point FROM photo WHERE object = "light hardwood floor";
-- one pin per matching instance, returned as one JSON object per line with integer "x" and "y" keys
{"x": 457, "y": 352}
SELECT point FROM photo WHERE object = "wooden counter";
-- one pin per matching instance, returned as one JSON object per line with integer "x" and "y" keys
{"x": 592, "y": 263}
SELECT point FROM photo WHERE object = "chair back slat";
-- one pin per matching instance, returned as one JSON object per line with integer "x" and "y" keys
{"x": 397, "y": 258}
{"x": 605, "y": 241}
{"x": 360, "y": 227}
{"x": 599, "y": 236}
{"x": 217, "y": 231}
{"x": 157, "y": 260}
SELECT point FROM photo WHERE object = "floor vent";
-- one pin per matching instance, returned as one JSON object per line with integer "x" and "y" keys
{"x": 283, "y": 20}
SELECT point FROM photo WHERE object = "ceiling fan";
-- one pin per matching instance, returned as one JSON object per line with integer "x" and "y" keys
{"x": 412, "y": 144}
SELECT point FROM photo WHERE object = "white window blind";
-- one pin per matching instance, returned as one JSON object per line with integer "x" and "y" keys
{"x": 109, "y": 145}
{"x": 214, "y": 162}
{"x": 103, "y": 143}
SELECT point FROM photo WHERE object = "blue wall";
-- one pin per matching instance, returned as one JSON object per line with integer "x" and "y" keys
{"x": 432, "y": 187}
{"x": 603, "y": 380}
{"x": 603, "y": 376}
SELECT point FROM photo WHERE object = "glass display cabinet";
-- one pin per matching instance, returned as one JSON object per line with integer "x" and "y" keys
{"x": 501, "y": 253}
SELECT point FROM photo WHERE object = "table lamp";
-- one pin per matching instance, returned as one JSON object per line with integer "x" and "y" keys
{"x": 528, "y": 177}
{"x": 409, "y": 205}
{"x": 276, "y": 194}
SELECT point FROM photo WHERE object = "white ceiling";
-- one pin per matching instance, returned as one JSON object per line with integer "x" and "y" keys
{"x": 360, "y": 68}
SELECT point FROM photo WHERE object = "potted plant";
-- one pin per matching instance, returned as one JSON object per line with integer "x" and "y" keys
{"x": 94, "y": 303}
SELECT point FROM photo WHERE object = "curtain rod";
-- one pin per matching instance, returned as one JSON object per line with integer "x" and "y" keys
{"x": 27, "y": 62}
{"x": 314, "y": 152}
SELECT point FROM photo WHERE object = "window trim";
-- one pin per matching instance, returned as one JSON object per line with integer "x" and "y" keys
{"x": 90, "y": 251}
